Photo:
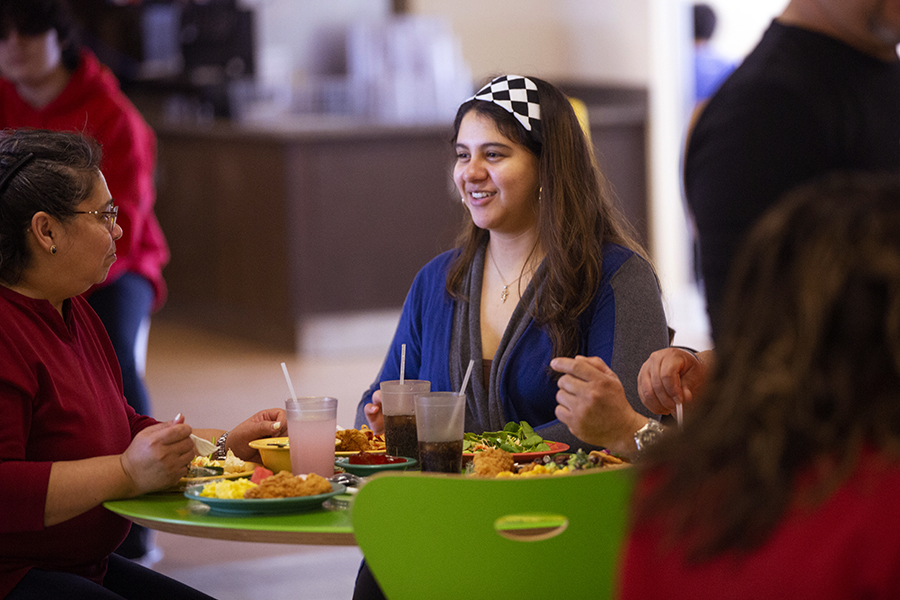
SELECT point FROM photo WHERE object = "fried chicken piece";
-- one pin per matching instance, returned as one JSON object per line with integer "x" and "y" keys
{"x": 351, "y": 440}
{"x": 488, "y": 463}
{"x": 285, "y": 485}
{"x": 315, "y": 484}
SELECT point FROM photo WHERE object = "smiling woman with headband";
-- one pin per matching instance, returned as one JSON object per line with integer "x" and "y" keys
{"x": 545, "y": 268}
{"x": 545, "y": 271}
{"x": 68, "y": 439}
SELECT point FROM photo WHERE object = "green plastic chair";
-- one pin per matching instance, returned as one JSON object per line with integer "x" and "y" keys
{"x": 428, "y": 536}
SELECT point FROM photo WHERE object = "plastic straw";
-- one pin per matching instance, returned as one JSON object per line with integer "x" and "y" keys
{"x": 462, "y": 389}
{"x": 402, "y": 361}
{"x": 288, "y": 379}
{"x": 679, "y": 415}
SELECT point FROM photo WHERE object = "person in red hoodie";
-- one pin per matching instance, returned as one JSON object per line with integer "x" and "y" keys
{"x": 48, "y": 82}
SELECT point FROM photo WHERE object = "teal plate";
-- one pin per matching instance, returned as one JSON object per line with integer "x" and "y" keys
{"x": 366, "y": 470}
{"x": 256, "y": 506}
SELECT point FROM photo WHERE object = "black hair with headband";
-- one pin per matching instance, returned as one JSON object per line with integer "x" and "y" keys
{"x": 13, "y": 170}
{"x": 517, "y": 95}
{"x": 40, "y": 171}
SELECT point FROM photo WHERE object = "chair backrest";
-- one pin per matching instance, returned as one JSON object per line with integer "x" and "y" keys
{"x": 433, "y": 536}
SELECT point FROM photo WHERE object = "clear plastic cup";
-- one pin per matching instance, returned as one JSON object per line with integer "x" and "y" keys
{"x": 440, "y": 422}
{"x": 398, "y": 404}
{"x": 312, "y": 423}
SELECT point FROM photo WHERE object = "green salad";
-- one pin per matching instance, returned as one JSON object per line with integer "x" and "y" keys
{"x": 514, "y": 438}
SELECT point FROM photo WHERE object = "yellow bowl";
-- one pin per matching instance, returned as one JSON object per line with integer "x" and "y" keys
{"x": 274, "y": 452}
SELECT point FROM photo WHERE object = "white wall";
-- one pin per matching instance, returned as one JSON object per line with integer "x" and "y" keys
{"x": 589, "y": 40}
{"x": 288, "y": 30}
{"x": 740, "y": 23}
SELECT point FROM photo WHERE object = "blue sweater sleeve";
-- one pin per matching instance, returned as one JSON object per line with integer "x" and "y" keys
{"x": 424, "y": 327}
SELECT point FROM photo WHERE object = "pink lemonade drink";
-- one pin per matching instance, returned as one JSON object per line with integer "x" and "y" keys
{"x": 312, "y": 423}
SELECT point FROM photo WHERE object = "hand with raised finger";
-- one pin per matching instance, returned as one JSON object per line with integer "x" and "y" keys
{"x": 592, "y": 403}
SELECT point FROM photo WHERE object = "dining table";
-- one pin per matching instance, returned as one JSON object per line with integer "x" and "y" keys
{"x": 328, "y": 524}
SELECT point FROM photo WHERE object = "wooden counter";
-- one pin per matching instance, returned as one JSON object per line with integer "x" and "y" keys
{"x": 270, "y": 223}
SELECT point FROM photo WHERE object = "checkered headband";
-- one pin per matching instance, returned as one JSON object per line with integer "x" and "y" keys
{"x": 517, "y": 95}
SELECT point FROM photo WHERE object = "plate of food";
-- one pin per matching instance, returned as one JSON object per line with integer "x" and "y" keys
{"x": 519, "y": 457}
{"x": 497, "y": 463}
{"x": 277, "y": 494}
{"x": 518, "y": 439}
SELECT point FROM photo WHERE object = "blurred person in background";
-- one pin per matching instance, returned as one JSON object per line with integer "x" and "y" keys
{"x": 710, "y": 67}
{"x": 49, "y": 82}
{"x": 784, "y": 481}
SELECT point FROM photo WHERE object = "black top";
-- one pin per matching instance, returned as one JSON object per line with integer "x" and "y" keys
{"x": 801, "y": 105}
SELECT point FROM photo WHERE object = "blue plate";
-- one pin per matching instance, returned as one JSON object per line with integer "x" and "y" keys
{"x": 255, "y": 506}
{"x": 366, "y": 470}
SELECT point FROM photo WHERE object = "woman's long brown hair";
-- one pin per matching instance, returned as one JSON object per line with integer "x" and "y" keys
{"x": 576, "y": 216}
{"x": 807, "y": 370}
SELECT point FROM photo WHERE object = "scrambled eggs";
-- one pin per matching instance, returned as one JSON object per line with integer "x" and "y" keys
{"x": 229, "y": 488}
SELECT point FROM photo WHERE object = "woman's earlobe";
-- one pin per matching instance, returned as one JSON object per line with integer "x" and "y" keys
{"x": 42, "y": 229}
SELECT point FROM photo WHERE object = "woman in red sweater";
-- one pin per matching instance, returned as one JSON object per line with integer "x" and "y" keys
{"x": 68, "y": 439}
{"x": 49, "y": 83}
{"x": 784, "y": 482}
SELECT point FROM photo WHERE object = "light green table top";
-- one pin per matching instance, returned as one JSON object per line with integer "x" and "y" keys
{"x": 173, "y": 513}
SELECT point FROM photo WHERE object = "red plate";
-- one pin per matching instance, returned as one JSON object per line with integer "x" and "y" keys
{"x": 521, "y": 457}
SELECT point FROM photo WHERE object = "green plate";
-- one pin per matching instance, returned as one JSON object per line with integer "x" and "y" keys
{"x": 255, "y": 506}
{"x": 366, "y": 470}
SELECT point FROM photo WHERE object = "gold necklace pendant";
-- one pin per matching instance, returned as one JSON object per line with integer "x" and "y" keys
{"x": 504, "y": 293}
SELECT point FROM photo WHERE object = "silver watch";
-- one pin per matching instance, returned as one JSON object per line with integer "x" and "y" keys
{"x": 220, "y": 444}
{"x": 647, "y": 435}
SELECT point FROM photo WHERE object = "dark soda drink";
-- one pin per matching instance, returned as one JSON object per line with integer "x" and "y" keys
{"x": 441, "y": 457}
{"x": 400, "y": 436}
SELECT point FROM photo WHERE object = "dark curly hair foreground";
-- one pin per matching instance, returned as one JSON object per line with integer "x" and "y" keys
{"x": 807, "y": 370}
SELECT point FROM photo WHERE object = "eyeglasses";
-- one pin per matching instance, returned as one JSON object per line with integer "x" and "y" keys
{"x": 108, "y": 216}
